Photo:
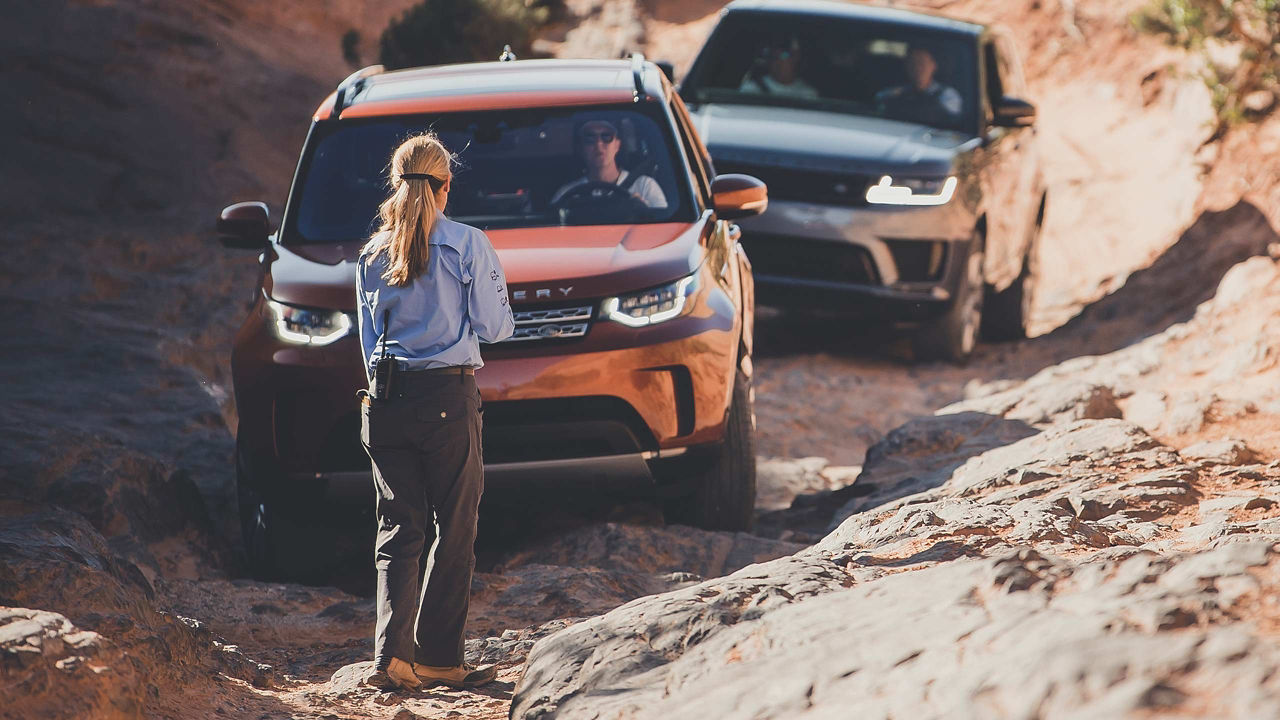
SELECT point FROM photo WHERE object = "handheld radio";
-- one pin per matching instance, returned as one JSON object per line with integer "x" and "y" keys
{"x": 384, "y": 368}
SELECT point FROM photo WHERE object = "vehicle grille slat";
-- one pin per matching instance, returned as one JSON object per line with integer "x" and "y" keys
{"x": 550, "y": 323}
{"x": 569, "y": 314}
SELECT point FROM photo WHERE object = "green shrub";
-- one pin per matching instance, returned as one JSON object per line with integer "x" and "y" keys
{"x": 1251, "y": 25}
{"x": 434, "y": 32}
{"x": 351, "y": 47}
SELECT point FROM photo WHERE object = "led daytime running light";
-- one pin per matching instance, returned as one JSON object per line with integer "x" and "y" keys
{"x": 612, "y": 307}
{"x": 287, "y": 315}
{"x": 886, "y": 193}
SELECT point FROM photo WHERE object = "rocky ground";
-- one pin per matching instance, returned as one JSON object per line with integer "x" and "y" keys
{"x": 1079, "y": 525}
{"x": 1097, "y": 541}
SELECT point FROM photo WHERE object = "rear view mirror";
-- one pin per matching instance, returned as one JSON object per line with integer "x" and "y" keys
{"x": 244, "y": 225}
{"x": 1013, "y": 112}
{"x": 737, "y": 196}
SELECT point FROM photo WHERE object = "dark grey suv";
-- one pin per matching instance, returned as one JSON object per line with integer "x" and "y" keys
{"x": 900, "y": 158}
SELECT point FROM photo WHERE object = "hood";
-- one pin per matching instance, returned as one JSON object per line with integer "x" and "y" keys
{"x": 563, "y": 262}
{"x": 322, "y": 276}
{"x": 836, "y": 142}
{"x": 595, "y": 261}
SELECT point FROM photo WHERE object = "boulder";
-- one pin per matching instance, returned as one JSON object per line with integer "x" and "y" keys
{"x": 922, "y": 454}
{"x": 147, "y": 511}
{"x": 1019, "y": 634}
{"x": 1220, "y": 452}
{"x": 43, "y": 655}
{"x": 1042, "y": 403}
{"x": 54, "y": 562}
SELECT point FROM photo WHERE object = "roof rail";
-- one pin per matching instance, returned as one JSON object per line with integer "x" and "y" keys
{"x": 348, "y": 88}
{"x": 637, "y": 74}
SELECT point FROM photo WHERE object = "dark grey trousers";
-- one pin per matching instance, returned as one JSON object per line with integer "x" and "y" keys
{"x": 425, "y": 446}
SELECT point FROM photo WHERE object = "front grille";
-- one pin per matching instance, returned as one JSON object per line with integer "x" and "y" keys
{"x": 551, "y": 323}
{"x": 802, "y": 258}
{"x": 821, "y": 187}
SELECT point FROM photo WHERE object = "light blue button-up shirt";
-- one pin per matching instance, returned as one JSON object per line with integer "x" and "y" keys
{"x": 438, "y": 319}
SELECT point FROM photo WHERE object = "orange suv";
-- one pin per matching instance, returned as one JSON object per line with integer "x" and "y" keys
{"x": 633, "y": 300}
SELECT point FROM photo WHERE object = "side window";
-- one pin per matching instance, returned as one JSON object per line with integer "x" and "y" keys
{"x": 698, "y": 156}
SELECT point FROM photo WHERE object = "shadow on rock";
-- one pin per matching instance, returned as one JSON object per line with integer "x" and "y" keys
{"x": 1169, "y": 290}
{"x": 918, "y": 456}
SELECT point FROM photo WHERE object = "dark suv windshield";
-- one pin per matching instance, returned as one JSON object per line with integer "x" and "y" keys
{"x": 517, "y": 168}
{"x": 839, "y": 65}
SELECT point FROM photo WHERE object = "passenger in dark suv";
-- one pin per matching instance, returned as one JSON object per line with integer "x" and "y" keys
{"x": 631, "y": 358}
{"x": 906, "y": 185}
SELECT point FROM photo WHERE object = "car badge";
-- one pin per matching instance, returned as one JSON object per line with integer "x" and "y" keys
{"x": 539, "y": 293}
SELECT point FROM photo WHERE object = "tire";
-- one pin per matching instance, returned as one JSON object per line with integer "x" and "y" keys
{"x": 279, "y": 543}
{"x": 1008, "y": 312}
{"x": 954, "y": 334}
{"x": 724, "y": 477}
{"x": 1005, "y": 314}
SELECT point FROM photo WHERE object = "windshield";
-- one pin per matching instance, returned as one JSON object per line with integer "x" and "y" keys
{"x": 516, "y": 168}
{"x": 838, "y": 65}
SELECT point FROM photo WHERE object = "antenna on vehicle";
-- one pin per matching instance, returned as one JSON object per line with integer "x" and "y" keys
{"x": 637, "y": 74}
{"x": 507, "y": 55}
{"x": 348, "y": 88}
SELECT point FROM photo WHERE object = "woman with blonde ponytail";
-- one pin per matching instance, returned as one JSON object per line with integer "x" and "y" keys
{"x": 429, "y": 290}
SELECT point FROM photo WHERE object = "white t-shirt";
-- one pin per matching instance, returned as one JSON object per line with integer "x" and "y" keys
{"x": 796, "y": 88}
{"x": 645, "y": 188}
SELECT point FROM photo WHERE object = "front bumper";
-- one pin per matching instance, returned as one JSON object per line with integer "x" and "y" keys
{"x": 900, "y": 262}
{"x": 589, "y": 410}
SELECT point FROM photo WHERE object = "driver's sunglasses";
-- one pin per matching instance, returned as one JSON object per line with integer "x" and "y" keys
{"x": 591, "y": 138}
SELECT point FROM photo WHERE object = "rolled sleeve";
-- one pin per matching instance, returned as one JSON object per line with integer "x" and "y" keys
{"x": 489, "y": 308}
{"x": 368, "y": 333}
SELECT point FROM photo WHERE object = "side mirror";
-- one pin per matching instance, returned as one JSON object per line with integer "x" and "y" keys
{"x": 1013, "y": 112}
{"x": 737, "y": 196}
{"x": 667, "y": 69}
{"x": 244, "y": 226}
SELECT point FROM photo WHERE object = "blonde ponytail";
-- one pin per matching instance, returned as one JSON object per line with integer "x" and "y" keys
{"x": 419, "y": 169}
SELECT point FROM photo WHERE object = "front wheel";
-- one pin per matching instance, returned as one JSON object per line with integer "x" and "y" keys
{"x": 954, "y": 334}
{"x": 281, "y": 542}
{"x": 724, "y": 477}
{"x": 1007, "y": 311}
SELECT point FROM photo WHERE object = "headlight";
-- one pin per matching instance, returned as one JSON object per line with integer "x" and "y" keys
{"x": 652, "y": 306}
{"x": 308, "y": 326}
{"x": 912, "y": 191}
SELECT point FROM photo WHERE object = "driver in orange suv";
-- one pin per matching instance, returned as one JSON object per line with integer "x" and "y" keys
{"x": 599, "y": 143}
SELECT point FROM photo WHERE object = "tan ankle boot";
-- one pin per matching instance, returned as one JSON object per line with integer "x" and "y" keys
{"x": 399, "y": 674}
{"x": 456, "y": 676}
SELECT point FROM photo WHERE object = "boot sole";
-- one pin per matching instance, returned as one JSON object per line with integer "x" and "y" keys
{"x": 456, "y": 685}
{"x": 386, "y": 682}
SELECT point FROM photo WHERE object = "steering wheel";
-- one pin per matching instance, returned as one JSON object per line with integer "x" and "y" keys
{"x": 593, "y": 193}
{"x": 599, "y": 202}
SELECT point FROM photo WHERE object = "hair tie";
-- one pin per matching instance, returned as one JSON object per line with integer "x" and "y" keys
{"x": 435, "y": 182}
